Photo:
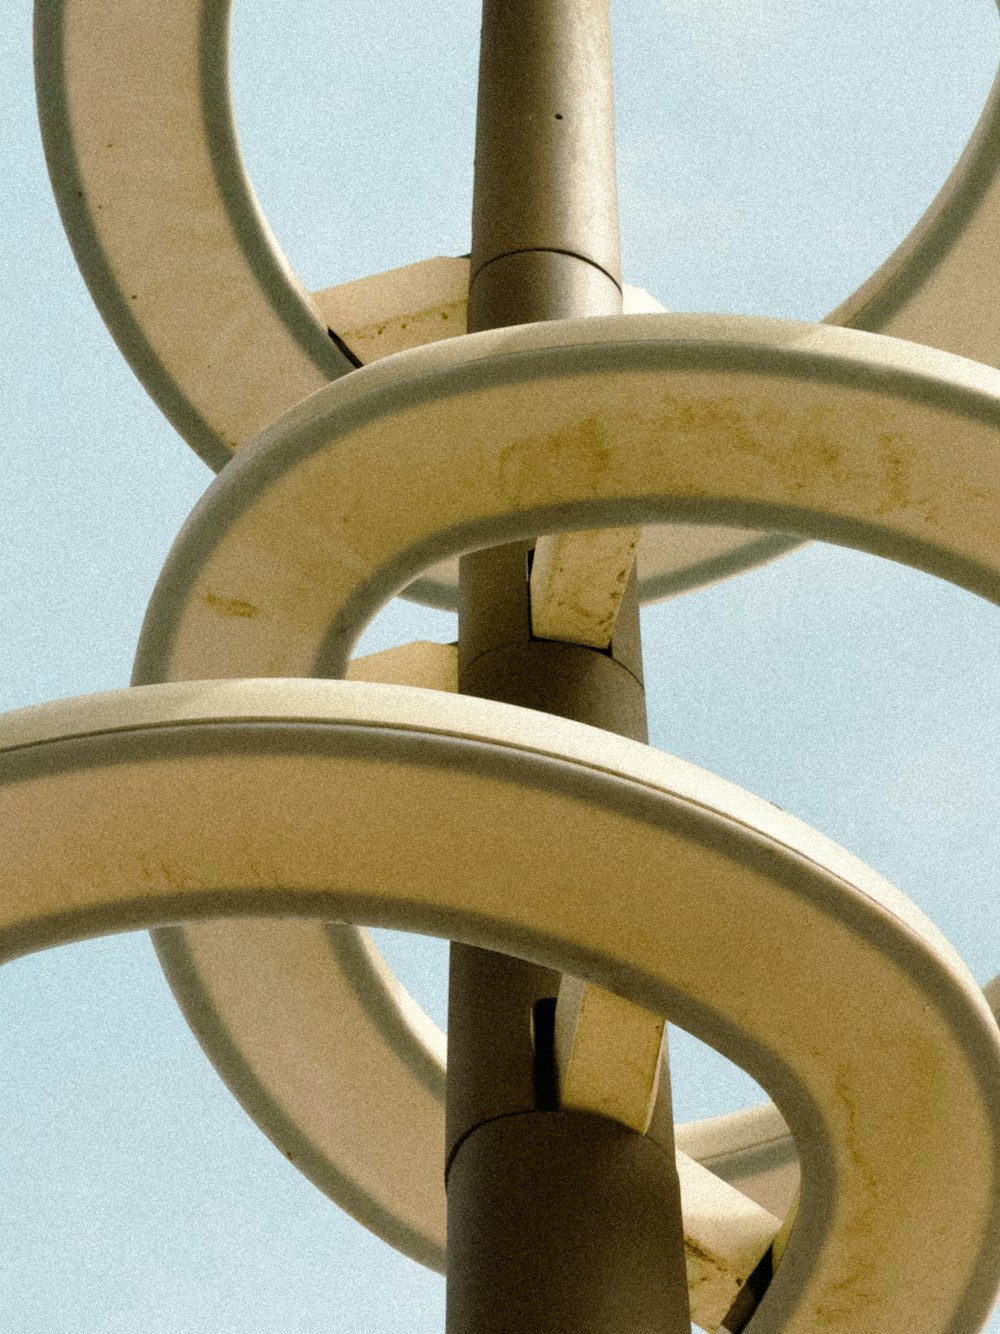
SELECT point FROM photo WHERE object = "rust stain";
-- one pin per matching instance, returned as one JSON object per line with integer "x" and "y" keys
{"x": 804, "y": 449}
{"x": 896, "y": 455}
{"x": 698, "y": 1253}
{"x": 155, "y": 870}
{"x": 232, "y": 607}
{"x": 895, "y": 464}
{"x": 846, "y": 1298}
{"x": 720, "y": 416}
{"x": 583, "y": 443}
{"x": 169, "y": 876}
{"x": 801, "y": 447}
{"x": 803, "y": 453}
{"x": 611, "y": 582}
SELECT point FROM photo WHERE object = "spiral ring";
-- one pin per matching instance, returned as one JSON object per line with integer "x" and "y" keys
{"x": 826, "y": 431}
{"x": 167, "y": 811}
{"x": 163, "y": 165}
{"x": 743, "y": 425}
{"x": 192, "y": 284}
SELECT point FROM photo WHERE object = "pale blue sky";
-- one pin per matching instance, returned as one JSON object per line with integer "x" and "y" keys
{"x": 771, "y": 153}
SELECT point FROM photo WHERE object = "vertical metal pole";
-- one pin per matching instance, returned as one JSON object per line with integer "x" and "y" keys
{"x": 545, "y": 242}
{"x": 558, "y": 1221}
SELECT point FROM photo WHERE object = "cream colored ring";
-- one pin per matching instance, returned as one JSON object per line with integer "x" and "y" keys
{"x": 832, "y": 432}
{"x": 186, "y": 802}
{"x": 162, "y": 218}
{"x": 180, "y": 260}
{"x": 206, "y": 309}
{"x": 190, "y": 280}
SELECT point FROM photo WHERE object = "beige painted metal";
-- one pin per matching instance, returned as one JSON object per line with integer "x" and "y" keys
{"x": 885, "y": 1240}
{"x": 726, "y": 1235}
{"x": 836, "y": 432}
{"x": 608, "y": 1048}
{"x": 403, "y": 308}
{"x": 577, "y": 578}
{"x": 142, "y": 148}
{"x": 384, "y": 313}
{"x": 827, "y": 431}
{"x": 422, "y": 663}
{"x": 608, "y": 1054}
{"x": 751, "y": 1149}
{"x": 932, "y": 289}
{"x": 811, "y": 424}
{"x": 192, "y": 282}
{"x": 577, "y": 584}
{"x": 415, "y": 305}
{"x": 942, "y": 285}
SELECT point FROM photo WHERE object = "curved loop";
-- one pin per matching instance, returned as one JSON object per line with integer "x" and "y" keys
{"x": 204, "y": 306}
{"x": 163, "y": 220}
{"x": 407, "y": 308}
{"x": 832, "y": 432}
{"x": 182, "y": 265}
{"x": 824, "y": 432}
{"x": 941, "y": 285}
{"x": 877, "y": 1244}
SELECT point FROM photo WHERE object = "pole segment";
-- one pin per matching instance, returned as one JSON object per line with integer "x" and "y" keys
{"x": 545, "y": 241}
{"x": 558, "y": 1220}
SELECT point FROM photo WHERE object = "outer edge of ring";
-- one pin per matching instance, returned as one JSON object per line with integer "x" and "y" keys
{"x": 945, "y": 986}
{"x": 850, "y": 358}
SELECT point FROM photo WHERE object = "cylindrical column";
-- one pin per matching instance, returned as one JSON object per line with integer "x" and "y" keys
{"x": 545, "y": 209}
{"x": 497, "y": 1005}
{"x": 557, "y": 1220}
{"x": 573, "y": 1236}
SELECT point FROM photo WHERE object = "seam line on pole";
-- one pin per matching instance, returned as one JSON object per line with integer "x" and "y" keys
{"x": 545, "y": 250}
{"x": 537, "y": 1111}
{"x": 568, "y": 643}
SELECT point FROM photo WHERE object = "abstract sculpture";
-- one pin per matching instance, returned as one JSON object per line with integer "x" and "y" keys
{"x": 390, "y": 800}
